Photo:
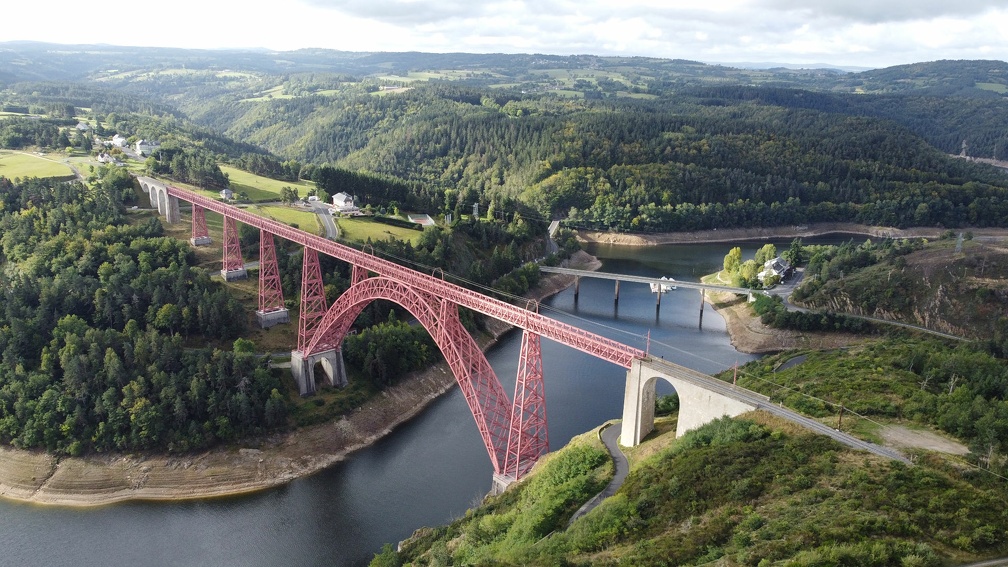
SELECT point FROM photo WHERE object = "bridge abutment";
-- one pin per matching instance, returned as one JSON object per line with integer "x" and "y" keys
{"x": 303, "y": 369}
{"x": 268, "y": 319}
{"x": 232, "y": 275}
{"x": 697, "y": 405}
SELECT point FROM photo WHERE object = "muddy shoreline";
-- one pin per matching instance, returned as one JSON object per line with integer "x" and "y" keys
{"x": 254, "y": 465}
{"x": 784, "y": 232}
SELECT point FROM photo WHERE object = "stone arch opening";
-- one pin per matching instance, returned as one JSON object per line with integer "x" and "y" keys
{"x": 698, "y": 405}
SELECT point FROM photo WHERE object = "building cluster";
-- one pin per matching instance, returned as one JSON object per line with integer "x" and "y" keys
{"x": 142, "y": 147}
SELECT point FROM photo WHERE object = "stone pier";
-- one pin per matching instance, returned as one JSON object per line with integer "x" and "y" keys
{"x": 303, "y": 369}
{"x": 268, "y": 319}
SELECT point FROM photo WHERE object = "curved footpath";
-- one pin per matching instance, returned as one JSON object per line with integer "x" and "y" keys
{"x": 610, "y": 437}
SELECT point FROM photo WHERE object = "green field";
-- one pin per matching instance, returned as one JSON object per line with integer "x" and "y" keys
{"x": 305, "y": 220}
{"x": 17, "y": 164}
{"x": 996, "y": 87}
{"x": 362, "y": 228}
{"x": 261, "y": 188}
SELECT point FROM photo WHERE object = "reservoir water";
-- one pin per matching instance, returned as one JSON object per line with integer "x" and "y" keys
{"x": 425, "y": 473}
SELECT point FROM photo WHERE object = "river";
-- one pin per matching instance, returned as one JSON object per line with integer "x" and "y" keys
{"x": 425, "y": 473}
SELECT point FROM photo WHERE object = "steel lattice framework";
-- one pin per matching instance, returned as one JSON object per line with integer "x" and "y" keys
{"x": 482, "y": 390}
{"x": 270, "y": 290}
{"x": 313, "y": 302}
{"x": 528, "y": 438}
{"x": 232, "y": 248}
{"x": 574, "y": 337}
{"x": 514, "y": 434}
{"x": 199, "y": 227}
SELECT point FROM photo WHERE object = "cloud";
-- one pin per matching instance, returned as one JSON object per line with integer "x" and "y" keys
{"x": 842, "y": 32}
{"x": 407, "y": 12}
{"x": 882, "y": 11}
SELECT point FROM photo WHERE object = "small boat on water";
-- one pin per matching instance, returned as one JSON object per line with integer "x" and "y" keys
{"x": 655, "y": 287}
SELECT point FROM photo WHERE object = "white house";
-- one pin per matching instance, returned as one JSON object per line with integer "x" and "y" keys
{"x": 343, "y": 203}
{"x": 119, "y": 141}
{"x": 776, "y": 267}
{"x": 145, "y": 147}
{"x": 226, "y": 194}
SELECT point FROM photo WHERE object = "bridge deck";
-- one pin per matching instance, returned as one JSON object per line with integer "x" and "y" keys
{"x": 645, "y": 280}
{"x": 574, "y": 337}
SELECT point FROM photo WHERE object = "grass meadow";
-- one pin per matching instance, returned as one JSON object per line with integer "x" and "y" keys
{"x": 259, "y": 188}
{"x": 18, "y": 164}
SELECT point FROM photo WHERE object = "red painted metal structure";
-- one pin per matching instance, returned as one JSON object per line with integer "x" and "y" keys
{"x": 528, "y": 438}
{"x": 514, "y": 433}
{"x": 313, "y": 302}
{"x": 232, "y": 249}
{"x": 270, "y": 291}
{"x": 199, "y": 227}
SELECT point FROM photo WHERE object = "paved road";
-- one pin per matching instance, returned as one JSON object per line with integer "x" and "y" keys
{"x": 322, "y": 210}
{"x": 610, "y": 437}
{"x": 989, "y": 563}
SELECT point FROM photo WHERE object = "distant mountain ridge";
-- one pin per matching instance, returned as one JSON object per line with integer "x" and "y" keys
{"x": 35, "y": 61}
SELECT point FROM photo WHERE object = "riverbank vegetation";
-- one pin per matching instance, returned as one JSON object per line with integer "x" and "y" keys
{"x": 718, "y": 493}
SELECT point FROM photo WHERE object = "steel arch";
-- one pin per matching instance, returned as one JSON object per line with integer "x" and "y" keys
{"x": 482, "y": 390}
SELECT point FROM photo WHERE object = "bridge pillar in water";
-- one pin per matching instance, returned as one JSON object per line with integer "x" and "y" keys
{"x": 703, "y": 296}
{"x": 303, "y": 369}
{"x": 697, "y": 405}
{"x": 616, "y": 293}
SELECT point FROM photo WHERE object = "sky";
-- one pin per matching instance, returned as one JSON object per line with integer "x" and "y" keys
{"x": 851, "y": 33}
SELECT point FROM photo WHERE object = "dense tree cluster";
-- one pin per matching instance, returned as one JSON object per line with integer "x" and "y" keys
{"x": 388, "y": 351}
{"x": 187, "y": 165}
{"x": 16, "y": 133}
{"x": 269, "y": 166}
{"x": 93, "y": 331}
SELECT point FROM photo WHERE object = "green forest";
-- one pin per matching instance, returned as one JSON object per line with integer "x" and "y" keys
{"x": 115, "y": 337}
{"x": 96, "y": 329}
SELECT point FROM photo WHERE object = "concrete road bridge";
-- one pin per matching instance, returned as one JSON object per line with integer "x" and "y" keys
{"x": 655, "y": 283}
{"x": 514, "y": 430}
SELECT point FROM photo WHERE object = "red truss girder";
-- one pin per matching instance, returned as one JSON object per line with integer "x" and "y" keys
{"x": 528, "y": 438}
{"x": 357, "y": 275}
{"x": 479, "y": 384}
{"x": 232, "y": 248}
{"x": 313, "y": 301}
{"x": 270, "y": 290}
{"x": 580, "y": 339}
{"x": 199, "y": 228}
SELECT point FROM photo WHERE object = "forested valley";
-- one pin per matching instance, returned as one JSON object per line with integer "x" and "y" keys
{"x": 102, "y": 312}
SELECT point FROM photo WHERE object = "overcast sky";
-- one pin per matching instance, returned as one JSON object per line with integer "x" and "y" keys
{"x": 865, "y": 33}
